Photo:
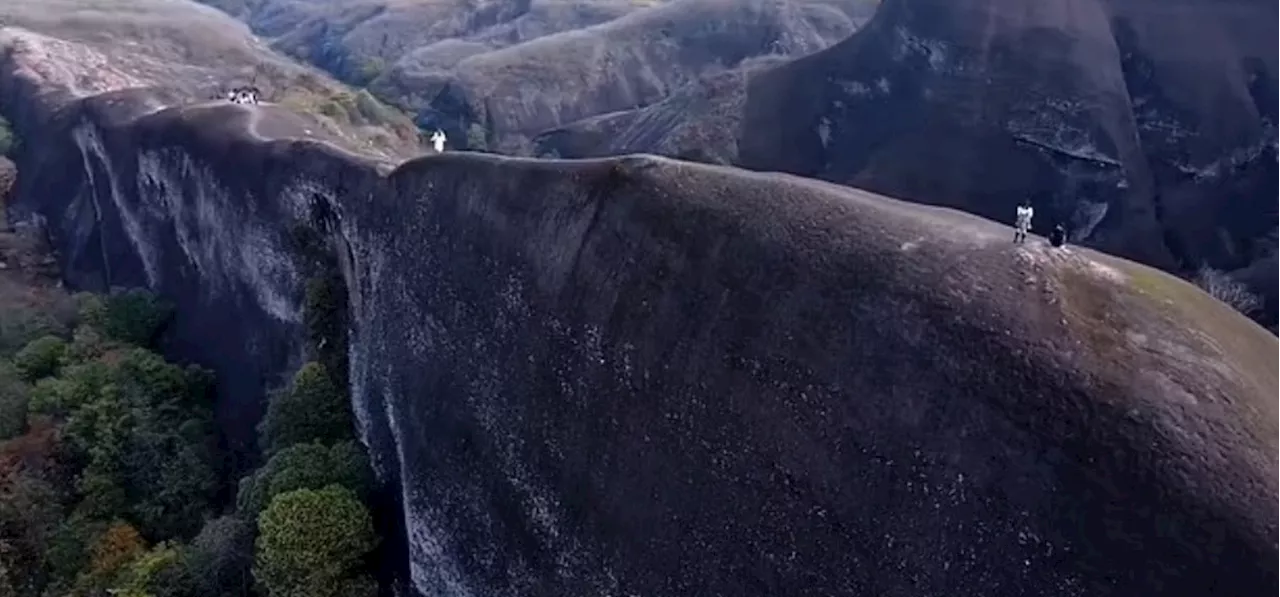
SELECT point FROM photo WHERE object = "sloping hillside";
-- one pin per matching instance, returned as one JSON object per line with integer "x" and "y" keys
{"x": 193, "y": 52}
{"x": 1148, "y": 128}
{"x": 358, "y": 40}
{"x": 497, "y": 73}
{"x": 643, "y": 376}
{"x": 640, "y": 376}
{"x": 1104, "y": 112}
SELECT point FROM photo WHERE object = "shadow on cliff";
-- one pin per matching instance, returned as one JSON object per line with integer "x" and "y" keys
{"x": 643, "y": 376}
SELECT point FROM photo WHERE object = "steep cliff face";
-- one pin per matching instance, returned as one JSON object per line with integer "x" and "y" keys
{"x": 203, "y": 217}
{"x": 640, "y": 376}
{"x": 1148, "y": 127}
{"x": 1122, "y": 118}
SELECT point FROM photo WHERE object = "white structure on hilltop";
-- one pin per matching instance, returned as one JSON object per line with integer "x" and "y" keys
{"x": 243, "y": 95}
{"x": 437, "y": 140}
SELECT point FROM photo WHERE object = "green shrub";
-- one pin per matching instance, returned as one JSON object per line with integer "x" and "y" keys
{"x": 68, "y": 551}
{"x": 372, "y": 111}
{"x": 370, "y": 69}
{"x": 311, "y": 409}
{"x": 8, "y": 140}
{"x": 50, "y": 396}
{"x": 311, "y": 543}
{"x": 87, "y": 344}
{"x": 40, "y": 358}
{"x": 20, "y": 325}
{"x": 220, "y": 557}
{"x": 77, "y": 385}
{"x": 134, "y": 316}
{"x": 325, "y": 312}
{"x": 15, "y": 397}
{"x": 148, "y": 573}
{"x": 305, "y": 466}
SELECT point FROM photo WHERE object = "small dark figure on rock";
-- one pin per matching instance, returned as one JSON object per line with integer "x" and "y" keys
{"x": 1058, "y": 237}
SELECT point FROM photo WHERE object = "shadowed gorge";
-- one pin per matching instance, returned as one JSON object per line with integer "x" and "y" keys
{"x": 642, "y": 376}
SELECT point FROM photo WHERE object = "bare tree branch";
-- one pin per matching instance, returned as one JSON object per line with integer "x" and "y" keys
{"x": 1223, "y": 287}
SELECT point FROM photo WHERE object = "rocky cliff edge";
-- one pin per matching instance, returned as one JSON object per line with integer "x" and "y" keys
{"x": 641, "y": 376}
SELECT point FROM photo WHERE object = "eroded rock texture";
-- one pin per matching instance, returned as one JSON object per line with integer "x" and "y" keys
{"x": 641, "y": 376}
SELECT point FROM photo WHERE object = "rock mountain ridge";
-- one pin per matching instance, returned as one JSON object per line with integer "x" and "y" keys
{"x": 1148, "y": 127}
{"x": 641, "y": 376}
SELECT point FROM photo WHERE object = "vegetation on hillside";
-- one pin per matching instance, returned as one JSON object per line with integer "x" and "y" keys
{"x": 111, "y": 472}
{"x": 8, "y": 140}
{"x": 1223, "y": 287}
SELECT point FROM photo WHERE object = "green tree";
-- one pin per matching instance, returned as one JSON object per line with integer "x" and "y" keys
{"x": 220, "y": 558}
{"x": 87, "y": 344}
{"x": 146, "y": 573}
{"x": 68, "y": 551}
{"x": 171, "y": 482}
{"x": 8, "y": 140}
{"x": 134, "y": 316}
{"x": 110, "y": 554}
{"x": 20, "y": 325}
{"x": 369, "y": 69}
{"x": 15, "y": 397}
{"x": 40, "y": 358}
{"x": 99, "y": 433}
{"x": 325, "y": 311}
{"x": 305, "y": 466}
{"x": 312, "y": 408}
{"x": 77, "y": 386}
{"x": 311, "y": 543}
{"x": 30, "y": 512}
{"x": 142, "y": 428}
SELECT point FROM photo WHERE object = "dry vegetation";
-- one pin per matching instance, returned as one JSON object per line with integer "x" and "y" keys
{"x": 32, "y": 301}
{"x": 194, "y": 49}
{"x": 522, "y": 67}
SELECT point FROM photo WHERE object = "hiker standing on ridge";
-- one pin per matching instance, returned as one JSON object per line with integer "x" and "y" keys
{"x": 1022, "y": 221}
{"x": 437, "y": 141}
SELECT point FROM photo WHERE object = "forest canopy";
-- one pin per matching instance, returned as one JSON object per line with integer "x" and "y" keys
{"x": 113, "y": 479}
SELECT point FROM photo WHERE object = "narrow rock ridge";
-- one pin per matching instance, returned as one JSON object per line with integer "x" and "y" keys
{"x": 637, "y": 376}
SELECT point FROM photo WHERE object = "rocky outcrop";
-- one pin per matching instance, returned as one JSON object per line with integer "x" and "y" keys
{"x": 194, "y": 53}
{"x": 642, "y": 376}
{"x": 699, "y": 122}
{"x": 504, "y": 71}
{"x": 634, "y": 61}
{"x": 1148, "y": 128}
{"x": 1102, "y": 111}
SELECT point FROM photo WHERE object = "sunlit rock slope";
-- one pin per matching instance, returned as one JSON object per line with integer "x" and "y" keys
{"x": 637, "y": 376}
{"x": 192, "y": 52}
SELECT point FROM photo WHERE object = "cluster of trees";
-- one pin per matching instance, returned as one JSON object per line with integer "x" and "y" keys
{"x": 112, "y": 478}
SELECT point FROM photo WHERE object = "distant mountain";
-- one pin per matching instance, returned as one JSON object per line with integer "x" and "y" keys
{"x": 194, "y": 53}
{"x": 1135, "y": 121}
{"x": 642, "y": 376}
{"x": 1148, "y": 127}
{"x": 497, "y": 73}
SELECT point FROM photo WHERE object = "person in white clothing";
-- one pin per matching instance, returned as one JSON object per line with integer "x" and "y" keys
{"x": 437, "y": 140}
{"x": 1022, "y": 221}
